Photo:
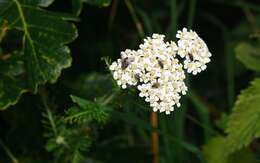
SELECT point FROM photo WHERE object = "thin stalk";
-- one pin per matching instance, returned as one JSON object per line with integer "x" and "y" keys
{"x": 164, "y": 131}
{"x": 112, "y": 14}
{"x": 155, "y": 137}
{"x": 8, "y": 152}
{"x": 135, "y": 18}
{"x": 48, "y": 111}
{"x": 230, "y": 61}
{"x": 205, "y": 127}
{"x": 174, "y": 19}
{"x": 192, "y": 8}
{"x": 203, "y": 113}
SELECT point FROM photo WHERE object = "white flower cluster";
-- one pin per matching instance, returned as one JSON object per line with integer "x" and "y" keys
{"x": 156, "y": 70}
{"x": 194, "y": 51}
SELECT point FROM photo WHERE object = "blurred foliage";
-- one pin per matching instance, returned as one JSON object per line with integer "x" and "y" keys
{"x": 79, "y": 114}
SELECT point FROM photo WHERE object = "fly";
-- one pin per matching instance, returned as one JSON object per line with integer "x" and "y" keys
{"x": 155, "y": 85}
{"x": 137, "y": 77}
{"x": 191, "y": 57}
{"x": 126, "y": 62}
{"x": 160, "y": 64}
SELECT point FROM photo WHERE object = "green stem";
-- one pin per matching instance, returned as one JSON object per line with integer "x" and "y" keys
{"x": 191, "y": 15}
{"x": 8, "y": 152}
{"x": 135, "y": 18}
{"x": 174, "y": 19}
{"x": 203, "y": 114}
{"x": 112, "y": 14}
{"x": 48, "y": 111}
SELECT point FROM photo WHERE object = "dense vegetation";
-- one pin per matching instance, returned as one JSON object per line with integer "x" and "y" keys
{"x": 60, "y": 104}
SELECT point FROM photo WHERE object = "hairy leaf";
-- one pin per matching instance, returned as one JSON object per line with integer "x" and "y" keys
{"x": 244, "y": 123}
{"x": 45, "y": 34}
{"x": 249, "y": 56}
{"x": 87, "y": 111}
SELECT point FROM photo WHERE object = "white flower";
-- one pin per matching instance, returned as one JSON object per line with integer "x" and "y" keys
{"x": 157, "y": 72}
{"x": 194, "y": 51}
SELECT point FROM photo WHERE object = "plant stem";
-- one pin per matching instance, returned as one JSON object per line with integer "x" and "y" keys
{"x": 192, "y": 8}
{"x": 44, "y": 99}
{"x": 8, "y": 152}
{"x": 136, "y": 20}
{"x": 155, "y": 137}
{"x": 174, "y": 19}
{"x": 112, "y": 14}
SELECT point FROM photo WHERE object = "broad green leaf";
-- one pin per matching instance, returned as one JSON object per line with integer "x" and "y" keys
{"x": 45, "y": 3}
{"x": 42, "y": 3}
{"x": 12, "y": 80}
{"x": 77, "y": 5}
{"x": 217, "y": 151}
{"x": 45, "y": 34}
{"x": 248, "y": 55}
{"x": 244, "y": 122}
{"x": 213, "y": 150}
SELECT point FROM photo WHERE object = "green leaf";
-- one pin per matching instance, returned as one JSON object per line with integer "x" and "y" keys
{"x": 248, "y": 55}
{"x": 222, "y": 122}
{"x": 77, "y": 5}
{"x": 88, "y": 111}
{"x": 99, "y": 3}
{"x": 44, "y": 53}
{"x": 42, "y": 3}
{"x": 91, "y": 86}
{"x": 243, "y": 156}
{"x": 213, "y": 150}
{"x": 216, "y": 151}
{"x": 45, "y": 3}
{"x": 244, "y": 122}
{"x": 12, "y": 80}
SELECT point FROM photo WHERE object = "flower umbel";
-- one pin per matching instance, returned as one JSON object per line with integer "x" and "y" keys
{"x": 156, "y": 70}
{"x": 194, "y": 51}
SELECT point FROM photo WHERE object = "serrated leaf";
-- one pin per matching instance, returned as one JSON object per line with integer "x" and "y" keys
{"x": 244, "y": 122}
{"x": 77, "y": 5}
{"x": 217, "y": 151}
{"x": 248, "y": 55}
{"x": 44, "y": 37}
{"x": 222, "y": 122}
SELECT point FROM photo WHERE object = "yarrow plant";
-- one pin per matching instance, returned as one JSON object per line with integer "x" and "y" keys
{"x": 156, "y": 69}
